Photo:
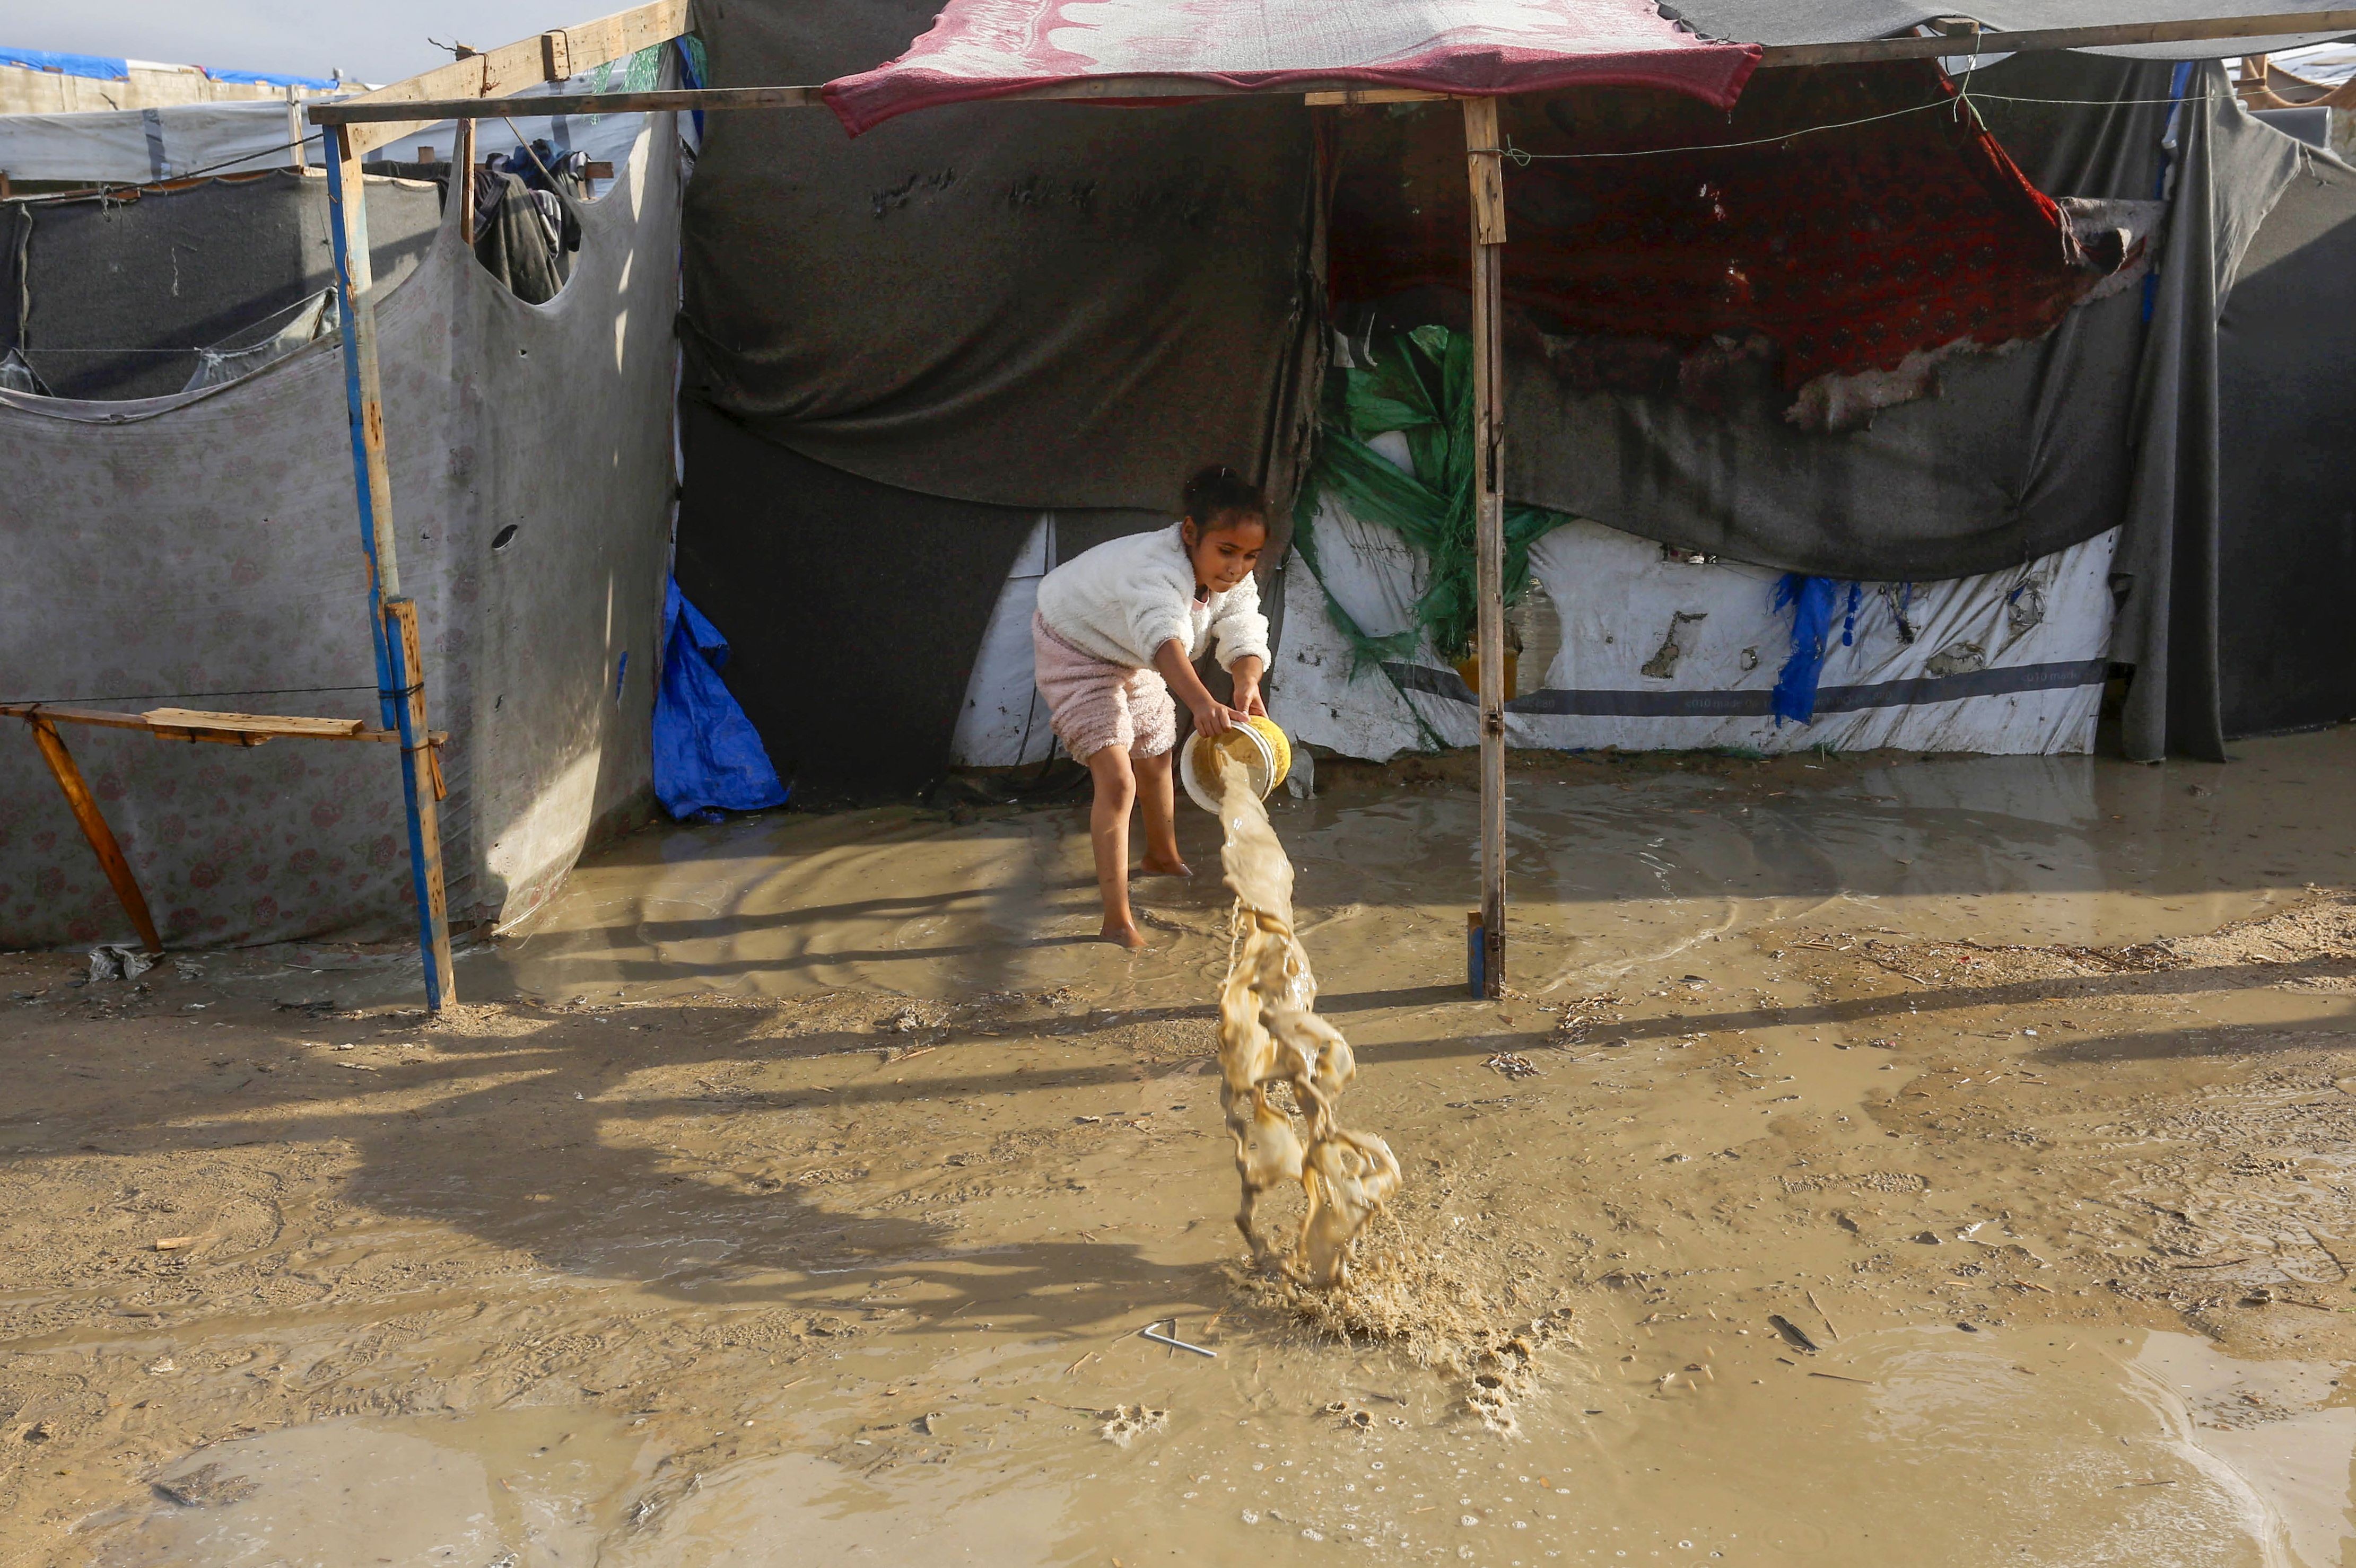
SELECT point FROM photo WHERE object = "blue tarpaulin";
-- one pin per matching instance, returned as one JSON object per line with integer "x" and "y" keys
{"x": 114, "y": 68}
{"x": 102, "y": 67}
{"x": 273, "y": 79}
{"x": 707, "y": 754}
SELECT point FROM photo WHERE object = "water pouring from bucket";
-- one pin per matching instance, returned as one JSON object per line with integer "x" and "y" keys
{"x": 1258, "y": 744}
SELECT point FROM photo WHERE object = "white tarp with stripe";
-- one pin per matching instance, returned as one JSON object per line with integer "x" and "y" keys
{"x": 1632, "y": 647}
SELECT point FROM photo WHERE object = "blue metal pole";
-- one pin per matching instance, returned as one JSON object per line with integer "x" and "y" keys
{"x": 400, "y": 676}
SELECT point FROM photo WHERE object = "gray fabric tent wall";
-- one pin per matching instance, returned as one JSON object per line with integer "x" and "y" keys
{"x": 2286, "y": 424}
{"x": 1024, "y": 304}
{"x": 2231, "y": 171}
{"x": 94, "y": 287}
{"x": 203, "y": 550}
{"x": 849, "y": 655}
{"x": 902, "y": 348}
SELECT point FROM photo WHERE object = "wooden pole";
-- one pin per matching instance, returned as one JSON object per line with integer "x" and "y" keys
{"x": 462, "y": 180}
{"x": 296, "y": 157}
{"x": 399, "y": 666}
{"x": 94, "y": 829}
{"x": 1486, "y": 167}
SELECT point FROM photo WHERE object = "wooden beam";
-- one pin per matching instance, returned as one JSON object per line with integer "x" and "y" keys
{"x": 1484, "y": 168}
{"x": 94, "y": 829}
{"x": 399, "y": 669}
{"x": 2038, "y": 40}
{"x": 451, "y": 92}
{"x": 1345, "y": 97}
{"x": 261, "y": 726}
{"x": 551, "y": 56}
{"x": 296, "y": 157}
{"x": 361, "y": 111}
{"x": 70, "y": 714}
{"x": 177, "y": 723}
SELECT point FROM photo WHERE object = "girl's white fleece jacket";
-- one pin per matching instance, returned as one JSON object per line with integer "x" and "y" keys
{"x": 1124, "y": 599}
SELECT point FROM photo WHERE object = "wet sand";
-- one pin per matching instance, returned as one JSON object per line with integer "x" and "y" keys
{"x": 1881, "y": 1160}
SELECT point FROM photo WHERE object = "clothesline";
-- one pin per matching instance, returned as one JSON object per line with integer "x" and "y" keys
{"x": 178, "y": 696}
{"x": 1522, "y": 157}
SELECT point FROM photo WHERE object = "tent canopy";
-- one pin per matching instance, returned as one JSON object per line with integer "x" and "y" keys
{"x": 991, "y": 49}
{"x": 1777, "y": 23}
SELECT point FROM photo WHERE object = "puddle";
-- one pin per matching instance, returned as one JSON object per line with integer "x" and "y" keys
{"x": 512, "y": 1487}
{"x": 822, "y": 1232}
{"x": 2285, "y": 1431}
{"x": 1925, "y": 1445}
{"x": 795, "y": 1508}
{"x": 1608, "y": 868}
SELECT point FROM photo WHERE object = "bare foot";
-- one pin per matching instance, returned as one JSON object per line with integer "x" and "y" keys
{"x": 1123, "y": 933}
{"x": 1156, "y": 865}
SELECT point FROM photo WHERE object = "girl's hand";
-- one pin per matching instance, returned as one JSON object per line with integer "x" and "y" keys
{"x": 1248, "y": 699}
{"x": 1216, "y": 718}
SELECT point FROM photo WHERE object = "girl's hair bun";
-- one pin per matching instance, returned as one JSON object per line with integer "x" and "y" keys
{"x": 1219, "y": 492}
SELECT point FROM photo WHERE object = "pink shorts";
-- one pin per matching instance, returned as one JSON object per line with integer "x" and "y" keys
{"x": 1093, "y": 703}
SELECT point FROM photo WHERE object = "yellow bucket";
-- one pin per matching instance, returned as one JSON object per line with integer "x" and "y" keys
{"x": 1258, "y": 744}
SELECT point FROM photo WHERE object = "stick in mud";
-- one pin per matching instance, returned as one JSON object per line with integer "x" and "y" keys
{"x": 1269, "y": 1033}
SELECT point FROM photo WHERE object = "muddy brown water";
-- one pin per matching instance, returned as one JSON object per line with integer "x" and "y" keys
{"x": 1939, "y": 1162}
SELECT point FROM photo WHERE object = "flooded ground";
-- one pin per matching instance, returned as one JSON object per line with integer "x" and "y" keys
{"x": 1935, "y": 1162}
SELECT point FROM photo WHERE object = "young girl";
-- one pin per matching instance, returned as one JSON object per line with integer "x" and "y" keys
{"x": 1119, "y": 629}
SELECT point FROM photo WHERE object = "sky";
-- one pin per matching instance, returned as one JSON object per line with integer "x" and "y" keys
{"x": 377, "y": 43}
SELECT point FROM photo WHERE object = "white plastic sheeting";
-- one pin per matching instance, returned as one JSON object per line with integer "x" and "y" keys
{"x": 1659, "y": 653}
{"x": 1003, "y": 723}
{"x": 136, "y": 146}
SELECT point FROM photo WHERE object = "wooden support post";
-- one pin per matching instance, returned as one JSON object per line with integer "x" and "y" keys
{"x": 421, "y": 783}
{"x": 94, "y": 829}
{"x": 462, "y": 180}
{"x": 399, "y": 666}
{"x": 1485, "y": 166}
{"x": 295, "y": 157}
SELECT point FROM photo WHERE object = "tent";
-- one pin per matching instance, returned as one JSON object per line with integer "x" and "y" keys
{"x": 1009, "y": 325}
{"x": 900, "y": 370}
{"x": 1985, "y": 463}
{"x": 195, "y": 546}
{"x": 932, "y": 421}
